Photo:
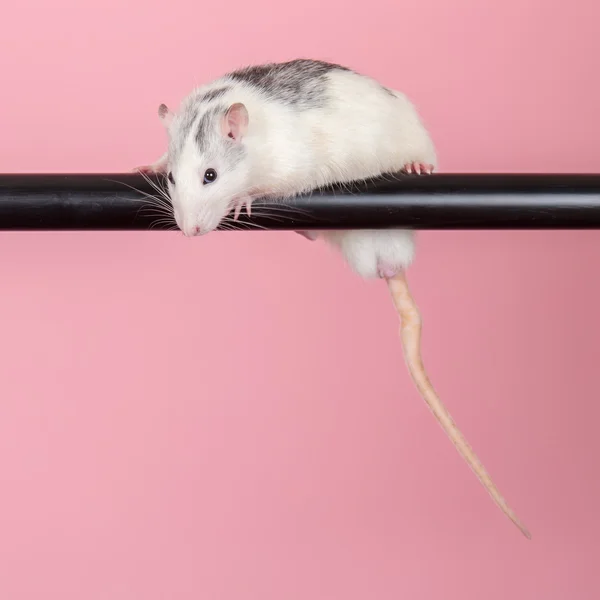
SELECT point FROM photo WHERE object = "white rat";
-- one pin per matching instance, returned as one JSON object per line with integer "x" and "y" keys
{"x": 279, "y": 130}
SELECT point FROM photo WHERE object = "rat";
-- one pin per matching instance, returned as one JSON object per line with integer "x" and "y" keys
{"x": 282, "y": 129}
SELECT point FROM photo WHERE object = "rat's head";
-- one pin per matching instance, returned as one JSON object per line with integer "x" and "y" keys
{"x": 208, "y": 167}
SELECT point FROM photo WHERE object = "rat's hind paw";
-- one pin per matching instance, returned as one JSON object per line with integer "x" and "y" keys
{"x": 419, "y": 168}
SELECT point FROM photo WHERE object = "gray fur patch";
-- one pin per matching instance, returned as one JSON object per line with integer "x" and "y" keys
{"x": 300, "y": 83}
{"x": 206, "y": 126}
{"x": 202, "y": 124}
{"x": 187, "y": 122}
{"x": 213, "y": 94}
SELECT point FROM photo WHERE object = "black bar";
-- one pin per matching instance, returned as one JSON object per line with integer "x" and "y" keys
{"x": 439, "y": 201}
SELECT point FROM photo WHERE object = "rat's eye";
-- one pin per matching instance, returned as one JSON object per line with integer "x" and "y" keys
{"x": 171, "y": 179}
{"x": 209, "y": 176}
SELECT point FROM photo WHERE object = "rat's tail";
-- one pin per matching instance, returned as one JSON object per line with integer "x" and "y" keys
{"x": 410, "y": 331}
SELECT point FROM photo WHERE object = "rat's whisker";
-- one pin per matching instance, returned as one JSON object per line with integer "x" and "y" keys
{"x": 155, "y": 209}
{"x": 161, "y": 223}
{"x": 162, "y": 191}
{"x": 267, "y": 217}
{"x": 241, "y": 225}
{"x": 147, "y": 200}
{"x": 283, "y": 208}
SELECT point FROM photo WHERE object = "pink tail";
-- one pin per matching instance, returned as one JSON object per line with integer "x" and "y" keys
{"x": 410, "y": 332}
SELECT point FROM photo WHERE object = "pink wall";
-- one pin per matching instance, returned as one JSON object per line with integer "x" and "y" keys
{"x": 165, "y": 436}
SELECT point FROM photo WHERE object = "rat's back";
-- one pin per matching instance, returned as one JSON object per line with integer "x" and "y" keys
{"x": 313, "y": 123}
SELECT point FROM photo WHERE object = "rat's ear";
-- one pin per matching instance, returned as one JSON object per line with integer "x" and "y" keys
{"x": 234, "y": 123}
{"x": 165, "y": 114}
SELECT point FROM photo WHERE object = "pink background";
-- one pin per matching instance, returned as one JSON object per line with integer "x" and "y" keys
{"x": 230, "y": 417}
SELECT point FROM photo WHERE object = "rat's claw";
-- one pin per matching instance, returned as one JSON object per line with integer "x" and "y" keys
{"x": 419, "y": 168}
{"x": 238, "y": 210}
{"x": 241, "y": 202}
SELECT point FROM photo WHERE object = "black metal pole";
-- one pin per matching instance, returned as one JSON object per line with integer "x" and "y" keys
{"x": 439, "y": 201}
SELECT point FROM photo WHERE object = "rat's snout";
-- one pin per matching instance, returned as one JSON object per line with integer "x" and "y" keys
{"x": 188, "y": 225}
{"x": 190, "y": 230}
{"x": 193, "y": 222}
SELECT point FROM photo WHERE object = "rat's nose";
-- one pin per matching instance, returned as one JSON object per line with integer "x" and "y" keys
{"x": 191, "y": 231}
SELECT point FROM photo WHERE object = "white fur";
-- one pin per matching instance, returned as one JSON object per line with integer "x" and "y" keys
{"x": 363, "y": 132}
